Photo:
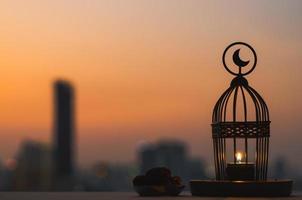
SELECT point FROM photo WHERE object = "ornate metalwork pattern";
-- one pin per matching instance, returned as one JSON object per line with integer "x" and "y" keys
{"x": 241, "y": 129}
{"x": 254, "y": 125}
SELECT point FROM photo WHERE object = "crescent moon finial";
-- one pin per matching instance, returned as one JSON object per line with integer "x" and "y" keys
{"x": 238, "y": 61}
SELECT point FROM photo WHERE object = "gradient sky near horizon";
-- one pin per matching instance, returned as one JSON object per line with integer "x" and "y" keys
{"x": 144, "y": 70}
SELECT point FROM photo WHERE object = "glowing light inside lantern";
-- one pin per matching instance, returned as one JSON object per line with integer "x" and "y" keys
{"x": 239, "y": 157}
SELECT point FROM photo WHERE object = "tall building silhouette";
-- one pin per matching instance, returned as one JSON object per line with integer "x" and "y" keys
{"x": 64, "y": 134}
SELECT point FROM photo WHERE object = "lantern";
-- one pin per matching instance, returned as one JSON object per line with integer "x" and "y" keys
{"x": 240, "y": 115}
{"x": 240, "y": 133}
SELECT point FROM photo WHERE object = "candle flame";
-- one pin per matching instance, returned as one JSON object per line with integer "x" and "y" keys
{"x": 239, "y": 157}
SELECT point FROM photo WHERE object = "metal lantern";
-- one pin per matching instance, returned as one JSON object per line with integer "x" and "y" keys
{"x": 246, "y": 121}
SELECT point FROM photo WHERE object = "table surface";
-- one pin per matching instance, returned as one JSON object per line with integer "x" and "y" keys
{"x": 108, "y": 196}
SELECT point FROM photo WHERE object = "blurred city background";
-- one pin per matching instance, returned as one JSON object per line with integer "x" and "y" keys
{"x": 96, "y": 92}
{"x": 52, "y": 167}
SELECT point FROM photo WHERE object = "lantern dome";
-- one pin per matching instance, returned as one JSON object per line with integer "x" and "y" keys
{"x": 241, "y": 105}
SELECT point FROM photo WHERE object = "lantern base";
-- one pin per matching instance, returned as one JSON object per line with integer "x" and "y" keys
{"x": 225, "y": 188}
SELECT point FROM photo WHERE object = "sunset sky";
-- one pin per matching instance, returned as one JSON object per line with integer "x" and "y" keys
{"x": 144, "y": 70}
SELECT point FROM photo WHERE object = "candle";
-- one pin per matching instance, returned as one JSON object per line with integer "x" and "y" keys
{"x": 240, "y": 170}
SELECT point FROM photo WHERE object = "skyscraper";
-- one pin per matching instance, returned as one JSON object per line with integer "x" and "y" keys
{"x": 64, "y": 133}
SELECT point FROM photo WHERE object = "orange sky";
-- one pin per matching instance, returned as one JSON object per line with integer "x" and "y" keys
{"x": 143, "y": 70}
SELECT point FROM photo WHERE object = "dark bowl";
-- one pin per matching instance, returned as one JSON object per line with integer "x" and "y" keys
{"x": 159, "y": 190}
